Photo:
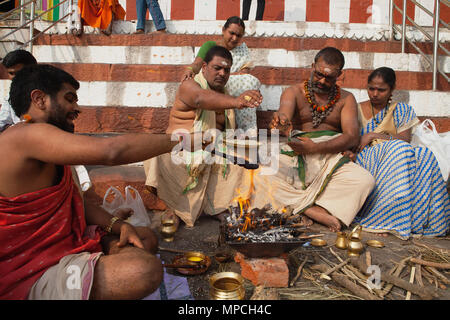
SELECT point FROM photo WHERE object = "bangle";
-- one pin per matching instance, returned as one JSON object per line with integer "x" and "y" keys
{"x": 111, "y": 223}
{"x": 190, "y": 68}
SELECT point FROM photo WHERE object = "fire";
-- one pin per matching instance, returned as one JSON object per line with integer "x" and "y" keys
{"x": 244, "y": 203}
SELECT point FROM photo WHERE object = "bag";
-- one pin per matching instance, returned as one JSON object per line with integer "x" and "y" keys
{"x": 426, "y": 135}
{"x": 139, "y": 217}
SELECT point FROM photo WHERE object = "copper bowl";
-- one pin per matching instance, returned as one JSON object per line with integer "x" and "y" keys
{"x": 227, "y": 286}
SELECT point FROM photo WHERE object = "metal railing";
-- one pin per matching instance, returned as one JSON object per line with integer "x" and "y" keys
{"x": 434, "y": 38}
{"x": 29, "y": 21}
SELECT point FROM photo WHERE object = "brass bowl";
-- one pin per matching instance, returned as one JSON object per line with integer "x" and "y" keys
{"x": 222, "y": 257}
{"x": 195, "y": 257}
{"x": 375, "y": 243}
{"x": 227, "y": 286}
{"x": 318, "y": 242}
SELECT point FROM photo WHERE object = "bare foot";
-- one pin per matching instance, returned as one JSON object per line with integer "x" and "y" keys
{"x": 322, "y": 216}
{"x": 384, "y": 234}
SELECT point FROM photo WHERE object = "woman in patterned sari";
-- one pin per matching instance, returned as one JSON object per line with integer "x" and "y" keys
{"x": 410, "y": 196}
{"x": 240, "y": 80}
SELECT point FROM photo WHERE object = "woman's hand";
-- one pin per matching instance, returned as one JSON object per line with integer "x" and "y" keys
{"x": 365, "y": 140}
{"x": 188, "y": 74}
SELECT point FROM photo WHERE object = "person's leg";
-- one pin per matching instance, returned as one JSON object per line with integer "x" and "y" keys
{"x": 141, "y": 10}
{"x": 322, "y": 216}
{"x": 125, "y": 273}
{"x": 260, "y": 9}
{"x": 157, "y": 16}
{"x": 246, "y": 9}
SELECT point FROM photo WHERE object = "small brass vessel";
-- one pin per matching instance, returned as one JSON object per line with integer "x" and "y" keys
{"x": 341, "y": 240}
{"x": 355, "y": 247}
{"x": 168, "y": 229}
{"x": 356, "y": 232}
{"x": 222, "y": 257}
{"x": 375, "y": 243}
{"x": 227, "y": 286}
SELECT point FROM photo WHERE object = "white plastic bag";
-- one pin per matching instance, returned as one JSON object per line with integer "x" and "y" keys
{"x": 426, "y": 135}
{"x": 139, "y": 218}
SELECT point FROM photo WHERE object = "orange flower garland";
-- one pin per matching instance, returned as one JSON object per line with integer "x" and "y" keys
{"x": 26, "y": 117}
{"x": 317, "y": 108}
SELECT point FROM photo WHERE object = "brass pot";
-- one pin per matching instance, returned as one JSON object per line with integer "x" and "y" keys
{"x": 168, "y": 229}
{"x": 227, "y": 286}
{"x": 195, "y": 257}
{"x": 355, "y": 247}
{"x": 341, "y": 240}
{"x": 356, "y": 232}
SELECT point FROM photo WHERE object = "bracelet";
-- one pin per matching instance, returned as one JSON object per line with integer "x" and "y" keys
{"x": 111, "y": 223}
{"x": 190, "y": 68}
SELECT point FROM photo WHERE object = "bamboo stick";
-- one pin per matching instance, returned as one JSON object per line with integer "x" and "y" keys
{"x": 325, "y": 275}
{"x": 431, "y": 264}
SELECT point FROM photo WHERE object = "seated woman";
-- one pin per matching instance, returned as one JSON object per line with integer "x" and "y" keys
{"x": 240, "y": 80}
{"x": 99, "y": 14}
{"x": 410, "y": 196}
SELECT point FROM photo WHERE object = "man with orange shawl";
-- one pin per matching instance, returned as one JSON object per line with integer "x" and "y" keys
{"x": 100, "y": 13}
{"x": 54, "y": 245}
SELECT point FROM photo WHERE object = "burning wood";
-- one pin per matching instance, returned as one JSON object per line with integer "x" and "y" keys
{"x": 258, "y": 225}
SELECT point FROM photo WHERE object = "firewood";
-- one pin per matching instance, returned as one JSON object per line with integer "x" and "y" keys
{"x": 419, "y": 275}
{"x": 423, "y": 293}
{"x": 349, "y": 285}
{"x": 411, "y": 280}
{"x": 299, "y": 271}
{"x": 325, "y": 275}
{"x": 431, "y": 264}
{"x": 397, "y": 272}
{"x": 441, "y": 277}
{"x": 429, "y": 247}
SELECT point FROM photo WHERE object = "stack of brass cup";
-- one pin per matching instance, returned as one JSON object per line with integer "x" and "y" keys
{"x": 351, "y": 242}
{"x": 168, "y": 228}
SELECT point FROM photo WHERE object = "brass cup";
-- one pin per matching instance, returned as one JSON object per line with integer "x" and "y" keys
{"x": 355, "y": 247}
{"x": 227, "y": 286}
{"x": 168, "y": 229}
{"x": 195, "y": 258}
{"x": 375, "y": 243}
{"x": 341, "y": 240}
{"x": 222, "y": 257}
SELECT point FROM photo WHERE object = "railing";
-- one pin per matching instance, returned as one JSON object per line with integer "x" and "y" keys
{"x": 437, "y": 22}
{"x": 32, "y": 18}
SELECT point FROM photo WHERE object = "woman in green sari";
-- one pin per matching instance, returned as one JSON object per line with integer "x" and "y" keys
{"x": 240, "y": 79}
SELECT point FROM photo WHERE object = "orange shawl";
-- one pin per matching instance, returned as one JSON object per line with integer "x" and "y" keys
{"x": 98, "y": 13}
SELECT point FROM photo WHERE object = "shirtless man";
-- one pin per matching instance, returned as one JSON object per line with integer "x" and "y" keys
{"x": 200, "y": 104}
{"x": 191, "y": 96}
{"x": 336, "y": 112}
{"x": 38, "y": 195}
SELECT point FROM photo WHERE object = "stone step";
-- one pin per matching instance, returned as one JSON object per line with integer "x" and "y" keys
{"x": 155, "y": 120}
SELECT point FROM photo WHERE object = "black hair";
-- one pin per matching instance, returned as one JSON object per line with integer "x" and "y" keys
{"x": 18, "y": 56}
{"x": 44, "y": 77}
{"x": 386, "y": 73}
{"x": 331, "y": 56}
{"x": 234, "y": 20}
{"x": 218, "y": 51}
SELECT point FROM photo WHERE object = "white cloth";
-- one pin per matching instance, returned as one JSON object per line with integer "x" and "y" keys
{"x": 7, "y": 115}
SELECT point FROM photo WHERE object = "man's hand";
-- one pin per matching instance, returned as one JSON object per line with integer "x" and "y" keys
{"x": 302, "y": 145}
{"x": 350, "y": 154}
{"x": 281, "y": 122}
{"x": 128, "y": 235}
{"x": 249, "y": 99}
{"x": 123, "y": 213}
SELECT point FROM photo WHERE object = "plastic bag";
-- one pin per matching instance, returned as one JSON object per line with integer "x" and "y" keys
{"x": 140, "y": 217}
{"x": 426, "y": 135}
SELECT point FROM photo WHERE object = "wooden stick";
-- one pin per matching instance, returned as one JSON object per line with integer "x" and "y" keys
{"x": 429, "y": 247}
{"x": 368, "y": 258}
{"x": 310, "y": 236}
{"x": 424, "y": 293}
{"x": 349, "y": 285}
{"x": 438, "y": 274}
{"x": 419, "y": 275}
{"x": 431, "y": 264}
{"x": 299, "y": 271}
{"x": 325, "y": 275}
{"x": 397, "y": 272}
{"x": 428, "y": 275}
{"x": 411, "y": 280}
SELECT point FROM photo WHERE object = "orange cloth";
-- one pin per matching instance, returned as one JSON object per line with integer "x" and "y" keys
{"x": 98, "y": 13}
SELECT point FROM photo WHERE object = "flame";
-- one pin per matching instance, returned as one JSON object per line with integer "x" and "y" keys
{"x": 244, "y": 202}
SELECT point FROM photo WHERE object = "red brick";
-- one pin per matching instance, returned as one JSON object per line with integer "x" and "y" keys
{"x": 269, "y": 272}
{"x": 119, "y": 177}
